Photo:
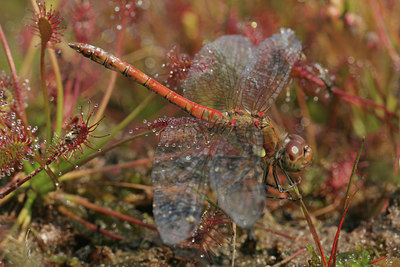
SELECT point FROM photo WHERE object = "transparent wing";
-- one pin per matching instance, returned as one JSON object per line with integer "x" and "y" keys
{"x": 268, "y": 70}
{"x": 180, "y": 165}
{"x": 236, "y": 174}
{"x": 213, "y": 79}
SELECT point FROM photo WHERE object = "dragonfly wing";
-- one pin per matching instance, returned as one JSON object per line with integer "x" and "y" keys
{"x": 179, "y": 166}
{"x": 213, "y": 78}
{"x": 236, "y": 174}
{"x": 268, "y": 70}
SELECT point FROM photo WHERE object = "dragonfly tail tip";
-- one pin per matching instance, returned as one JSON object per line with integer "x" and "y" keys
{"x": 74, "y": 46}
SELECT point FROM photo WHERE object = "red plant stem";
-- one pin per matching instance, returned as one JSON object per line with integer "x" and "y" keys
{"x": 21, "y": 109}
{"x": 380, "y": 259}
{"x": 43, "y": 166}
{"x": 280, "y": 233}
{"x": 14, "y": 186}
{"x": 299, "y": 72}
{"x": 87, "y": 204}
{"x": 332, "y": 258}
{"x": 111, "y": 168}
{"x": 88, "y": 224}
{"x": 314, "y": 234}
{"x": 294, "y": 255}
{"x": 360, "y": 101}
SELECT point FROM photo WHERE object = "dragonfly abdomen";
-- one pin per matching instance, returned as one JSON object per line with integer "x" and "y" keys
{"x": 114, "y": 63}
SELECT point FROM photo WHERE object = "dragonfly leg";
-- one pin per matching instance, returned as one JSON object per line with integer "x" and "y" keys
{"x": 265, "y": 179}
{"x": 291, "y": 180}
{"x": 280, "y": 189}
{"x": 265, "y": 175}
{"x": 278, "y": 184}
{"x": 292, "y": 183}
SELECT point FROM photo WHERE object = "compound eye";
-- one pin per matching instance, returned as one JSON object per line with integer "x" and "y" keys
{"x": 298, "y": 138}
{"x": 297, "y": 154}
{"x": 294, "y": 150}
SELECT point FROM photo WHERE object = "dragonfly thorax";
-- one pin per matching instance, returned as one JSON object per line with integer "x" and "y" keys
{"x": 273, "y": 138}
{"x": 290, "y": 152}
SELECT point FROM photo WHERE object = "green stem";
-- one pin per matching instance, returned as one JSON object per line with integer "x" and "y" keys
{"x": 24, "y": 217}
{"x": 60, "y": 91}
{"x": 26, "y": 66}
{"x": 45, "y": 93}
{"x": 47, "y": 170}
{"x": 347, "y": 196}
{"x": 128, "y": 119}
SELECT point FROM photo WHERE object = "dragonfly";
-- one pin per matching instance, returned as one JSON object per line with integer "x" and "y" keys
{"x": 229, "y": 143}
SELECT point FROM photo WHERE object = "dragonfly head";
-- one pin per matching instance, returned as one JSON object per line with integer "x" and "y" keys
{"x": 296, "y": 154}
